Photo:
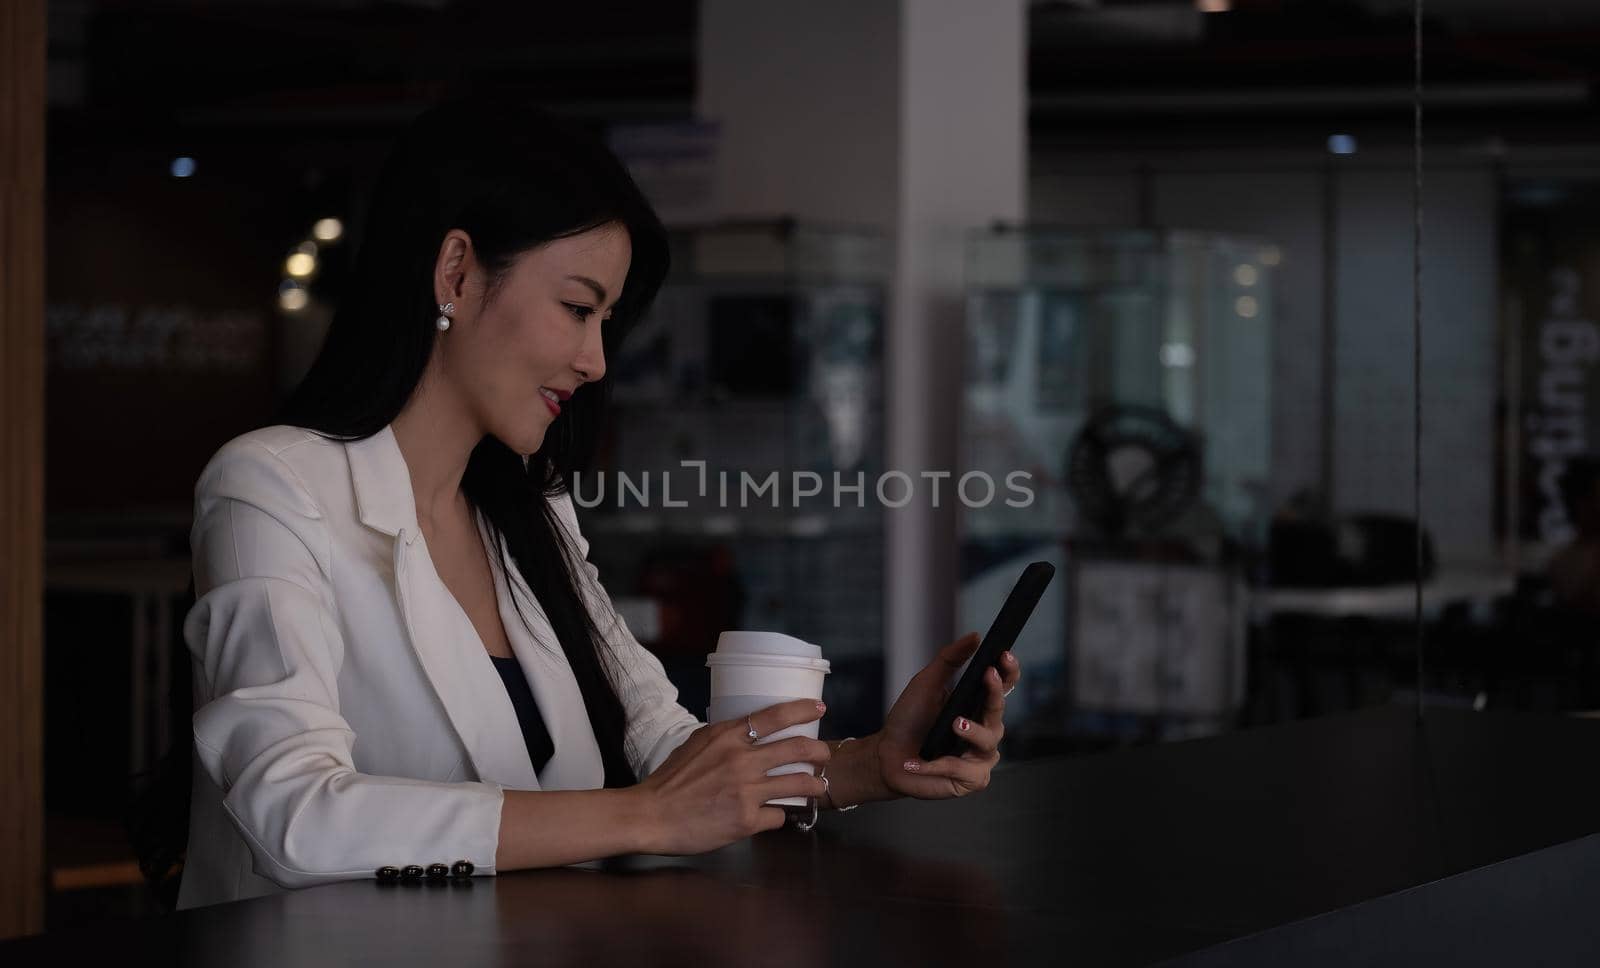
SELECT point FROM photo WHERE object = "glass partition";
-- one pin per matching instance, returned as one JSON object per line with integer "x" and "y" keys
{"x": 755, "y": 382}
{"x": 1128, "y": 375}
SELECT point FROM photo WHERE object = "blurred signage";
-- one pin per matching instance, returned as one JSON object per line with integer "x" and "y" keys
{"x": 111, "y": 336}
{"x": 1556, "y": 285}
{"x": 1156, "y": 639}
{"x": 673, "y": 163}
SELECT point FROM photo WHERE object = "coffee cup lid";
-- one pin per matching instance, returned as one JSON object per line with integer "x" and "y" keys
{"x": 743, "y": 642}
{"x": 769, "y": 662}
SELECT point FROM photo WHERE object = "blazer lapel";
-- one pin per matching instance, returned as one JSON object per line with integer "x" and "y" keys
{"x": 577, "y": 764}
{"x": 451, "y": 655}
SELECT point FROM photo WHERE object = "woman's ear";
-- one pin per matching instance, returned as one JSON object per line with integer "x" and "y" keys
{"x": 451, "y": 267}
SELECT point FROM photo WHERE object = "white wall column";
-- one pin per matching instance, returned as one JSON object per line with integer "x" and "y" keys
{"x": 909, "y": 116}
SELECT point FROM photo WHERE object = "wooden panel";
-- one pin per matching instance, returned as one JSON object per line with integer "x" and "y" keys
{"x": 22, "y": 106}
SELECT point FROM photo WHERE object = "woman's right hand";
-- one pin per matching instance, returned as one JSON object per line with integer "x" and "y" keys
{"x": 710, "y": 791}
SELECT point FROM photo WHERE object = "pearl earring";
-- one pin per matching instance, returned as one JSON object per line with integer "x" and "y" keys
{"x": 443, "y": 322}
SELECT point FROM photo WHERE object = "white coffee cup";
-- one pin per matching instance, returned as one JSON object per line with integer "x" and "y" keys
{"x": 753, "y": 670}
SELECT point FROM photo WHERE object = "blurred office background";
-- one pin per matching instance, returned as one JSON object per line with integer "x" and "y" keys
{"x": 1154, "y": 254}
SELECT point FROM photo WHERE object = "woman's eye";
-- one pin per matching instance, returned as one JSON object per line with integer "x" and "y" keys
{"x": 582, "y": 312}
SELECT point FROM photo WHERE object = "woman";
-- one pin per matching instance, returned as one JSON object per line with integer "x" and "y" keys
{"x": 365, "y": 569}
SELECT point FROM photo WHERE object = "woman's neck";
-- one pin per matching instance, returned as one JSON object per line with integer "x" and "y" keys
{"x": 436, "y": 435}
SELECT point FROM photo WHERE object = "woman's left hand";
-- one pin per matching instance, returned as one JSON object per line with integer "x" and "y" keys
{"x": 900, "y": 740}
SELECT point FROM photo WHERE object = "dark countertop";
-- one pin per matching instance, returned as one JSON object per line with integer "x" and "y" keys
{"x": 1115, "y": 859}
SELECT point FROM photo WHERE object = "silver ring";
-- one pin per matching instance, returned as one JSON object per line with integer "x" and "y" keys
{"x": 752, "y": 733}
{"x": 1008, "y": 692}
{"x": 806, "y": 825}
{"x": 815, "y": 804}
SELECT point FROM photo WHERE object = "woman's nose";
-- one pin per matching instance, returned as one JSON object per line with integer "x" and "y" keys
{"x": 591, "y": 362}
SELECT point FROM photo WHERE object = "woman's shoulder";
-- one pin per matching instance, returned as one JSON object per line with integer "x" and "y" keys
{"x": 280, "y": 464}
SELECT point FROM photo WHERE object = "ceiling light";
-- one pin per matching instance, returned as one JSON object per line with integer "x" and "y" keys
{"x": 299, "y": 265}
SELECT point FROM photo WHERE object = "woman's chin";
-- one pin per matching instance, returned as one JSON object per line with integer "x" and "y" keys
{"x": 526, "y": 440}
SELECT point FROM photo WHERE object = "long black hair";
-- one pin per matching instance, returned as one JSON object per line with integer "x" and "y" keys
{"x": 511, "y": 178}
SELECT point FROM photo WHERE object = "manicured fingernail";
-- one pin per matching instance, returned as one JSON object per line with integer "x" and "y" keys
{"x": 911, "y": 766}
{"x": 822, "y": 707}
{"x": 963, "y": 725}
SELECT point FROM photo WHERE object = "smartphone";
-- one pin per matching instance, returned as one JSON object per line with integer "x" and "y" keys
{"x": 967, "y": 699}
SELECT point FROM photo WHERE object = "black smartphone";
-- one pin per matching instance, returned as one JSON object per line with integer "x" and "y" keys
{"x": 967, "y": 698}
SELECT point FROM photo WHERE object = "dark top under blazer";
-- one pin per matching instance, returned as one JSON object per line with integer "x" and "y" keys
{"x": 540, "y": 746}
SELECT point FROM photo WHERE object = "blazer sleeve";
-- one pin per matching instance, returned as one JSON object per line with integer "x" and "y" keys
{"x": 267, "y": 648}
{"x": 657, "y": 722}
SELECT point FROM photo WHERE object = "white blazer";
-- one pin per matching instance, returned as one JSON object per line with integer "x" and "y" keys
{"x": 347, "y": 715}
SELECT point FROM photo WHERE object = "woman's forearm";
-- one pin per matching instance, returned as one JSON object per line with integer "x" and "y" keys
{"x": 552, "y": 828}
{"x": 853, "y": 775}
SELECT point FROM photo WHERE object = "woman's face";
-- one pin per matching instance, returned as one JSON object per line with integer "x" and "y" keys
{"x": 537, "y": 338}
